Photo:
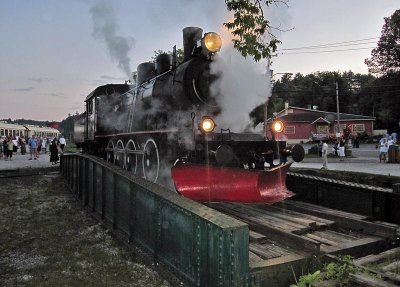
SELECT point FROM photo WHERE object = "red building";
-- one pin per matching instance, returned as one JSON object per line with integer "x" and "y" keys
{"x": 309, "y": 124}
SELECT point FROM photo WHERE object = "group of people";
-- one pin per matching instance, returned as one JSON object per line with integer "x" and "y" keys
{"x": 338, "y": 149}
{"x": 385, "y": 142}
{"x": 37, "y": 146}
{"x": 8, "y": 145}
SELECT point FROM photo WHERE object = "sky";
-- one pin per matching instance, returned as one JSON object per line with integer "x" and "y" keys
{"x": 54, "y": 53}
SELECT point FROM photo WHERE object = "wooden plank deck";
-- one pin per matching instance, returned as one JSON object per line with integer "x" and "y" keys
{"x": 291, "y": 229}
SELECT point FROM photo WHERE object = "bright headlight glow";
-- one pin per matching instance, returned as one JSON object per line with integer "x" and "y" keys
{"x": 212, "y": 42}
{"x": 278, "y": 126}
{"x": 207, "y": 124}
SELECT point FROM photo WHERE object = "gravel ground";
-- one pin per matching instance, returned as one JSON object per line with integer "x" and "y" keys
{"x": 47, "y": 239}
{"x": 22, "y": 161}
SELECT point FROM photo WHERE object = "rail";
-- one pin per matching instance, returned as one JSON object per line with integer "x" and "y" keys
{"x": 199, "y": 245}
{"x": 376, "y": 202}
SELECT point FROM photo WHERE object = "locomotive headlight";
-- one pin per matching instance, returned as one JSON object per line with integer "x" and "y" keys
{"x": 278, "y": 126}
{"x": 207, "y": 124}
{"x": 211, "y": 42}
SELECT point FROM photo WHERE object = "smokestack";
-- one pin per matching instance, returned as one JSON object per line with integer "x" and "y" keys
{"x": 190, "y": 37}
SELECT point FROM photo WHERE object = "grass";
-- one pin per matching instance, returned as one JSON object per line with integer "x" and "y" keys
{"x": 48, "y": 240}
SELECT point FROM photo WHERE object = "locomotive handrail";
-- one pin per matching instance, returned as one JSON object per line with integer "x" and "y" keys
{"x": 198, "y": 96}
{"x": 146, "y": 82}
{"x": 225, "y": 130}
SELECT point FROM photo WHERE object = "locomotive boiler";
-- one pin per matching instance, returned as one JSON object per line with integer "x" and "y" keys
{"x": 166, "y": 127}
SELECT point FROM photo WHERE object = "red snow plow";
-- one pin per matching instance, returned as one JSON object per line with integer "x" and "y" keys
{"x": 205, "y": 183}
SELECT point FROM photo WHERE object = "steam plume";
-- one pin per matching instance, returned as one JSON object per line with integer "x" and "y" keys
{"x": 105, "y": 28}
{"x": 243, "y": 85}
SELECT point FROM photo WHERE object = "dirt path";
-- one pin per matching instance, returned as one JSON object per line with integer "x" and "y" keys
{"x": 47, "y": 239}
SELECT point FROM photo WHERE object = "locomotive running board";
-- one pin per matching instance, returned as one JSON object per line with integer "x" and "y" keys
{"x": 215, "y": 184}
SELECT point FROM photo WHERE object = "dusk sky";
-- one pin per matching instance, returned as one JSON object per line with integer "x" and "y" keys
{"x": 54, "y": 53}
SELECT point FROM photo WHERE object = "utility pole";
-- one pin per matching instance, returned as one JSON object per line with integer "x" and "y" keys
{"x": 268, "y": 73}
{"x": 337, "y": 109}
{"x": 271, "y": 74}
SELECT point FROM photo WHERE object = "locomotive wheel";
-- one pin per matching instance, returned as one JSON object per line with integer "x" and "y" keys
{"x": 119, "y": 154}
{"x": 131, "y": 157}
{"x": 110, "y": 151}
{"x": 151, "y": 161}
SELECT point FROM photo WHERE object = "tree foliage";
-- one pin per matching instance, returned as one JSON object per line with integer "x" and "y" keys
{"x": 251, "y": 32}
{"x": 386, "y": 56}
{"x": 179, "y": 55}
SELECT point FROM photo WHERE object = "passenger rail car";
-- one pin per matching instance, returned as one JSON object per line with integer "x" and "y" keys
{"x": 27, "y": 131}
{"x": 170, "y": 119}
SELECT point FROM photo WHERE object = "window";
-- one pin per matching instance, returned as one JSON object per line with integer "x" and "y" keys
{"x": 1, "y": 132}
{"x": 358, "y": 128}
{"x": 290, "y": 130}
{"x": 323, "y": 129}
{"x": 90, "y": 106}
{"x": 342, "y": 127}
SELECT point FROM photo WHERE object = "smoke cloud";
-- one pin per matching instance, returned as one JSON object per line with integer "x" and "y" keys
{"x": 243, "y": 84}
{"x": 105, "y": 28}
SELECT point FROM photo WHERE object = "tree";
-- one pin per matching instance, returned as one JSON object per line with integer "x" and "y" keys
{"x": 179, "y": 55}
{"x": 386, "y": 56}
{"x": 249, "y": 28}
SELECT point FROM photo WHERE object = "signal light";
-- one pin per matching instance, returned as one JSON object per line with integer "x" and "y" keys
{"x": 207, "y": 124}
{"x": 278, "y": 126}
{"x": 211, "y": 42}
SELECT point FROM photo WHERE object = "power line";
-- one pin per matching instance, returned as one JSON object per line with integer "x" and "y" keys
{"x": 328, "y": 51}
{"x": 326, "y": 46}
{"x": 337, "y": 43}
{"x": 341, "y": 89}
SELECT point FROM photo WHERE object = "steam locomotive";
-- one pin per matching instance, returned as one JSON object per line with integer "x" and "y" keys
{"x": 164, "y": 127}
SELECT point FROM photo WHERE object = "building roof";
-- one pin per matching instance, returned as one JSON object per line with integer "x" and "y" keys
{"x": 315, "y": 115}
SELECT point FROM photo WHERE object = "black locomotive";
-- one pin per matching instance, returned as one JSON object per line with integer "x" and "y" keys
{"x": 167, "y": 118}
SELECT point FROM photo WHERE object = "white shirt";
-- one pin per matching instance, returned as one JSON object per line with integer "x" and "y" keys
{"x": 62, "y": 141}
{"x": 324, "y": 149}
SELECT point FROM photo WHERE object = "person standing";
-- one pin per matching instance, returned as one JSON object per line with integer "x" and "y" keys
{"x": 54, "y": 152}
{"x": 383, "y": 150}
{"x": 324, "y": 155}
{"x": 15, "y": 143}
{"x": 22, "y": 143}
{"x": 390, "y": 141}
{"x": 44, "y": 145}
{"x": 341, "y": 149}
{"x": 10, "y": 147}
{"x": 5, "y": 140}
{"x": 32, "y": 147}
{"x": 2, "y": 147}
{"x": 39, "y": 146}
{"x": 62, "y": 143}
